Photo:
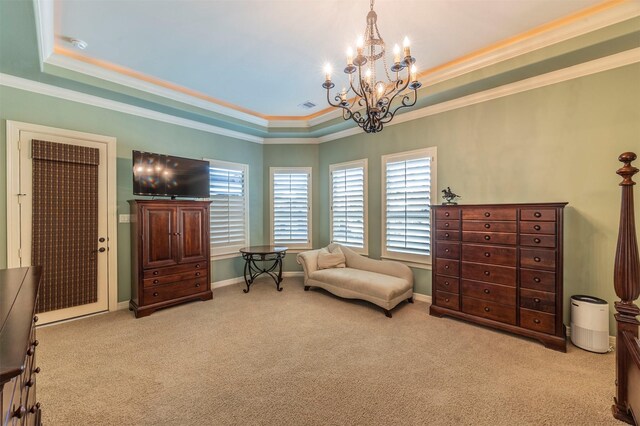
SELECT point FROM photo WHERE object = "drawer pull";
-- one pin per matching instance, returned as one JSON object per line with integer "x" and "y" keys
{"x": 537, "y": 227}
{"x": 35, "y": 319}
{"x": 35, "y": 343}
{"x": 487, "y": 254}
{"x": 487, "y": 225}
{"x": 537, "y": 214}
{"x": 487, "y": 309}
{"x": 536, "y": 259}
{"x": 37, "y": 370}
{"x": 34, "y": 408}
{"x": 446, "y": 235}
{"x": 197, "y": 284}
{"x": 155, "y": 272}
{"x": 156, "y": 281}
{"x": 447, "y": 214}
{"x": 487, "y": 237}
{"x": 446, "y": 283}
{"x": 537, "y": 321}
{"x": 487, "y": 214}
{"x": 198, "y": 273}
{"x": 446, "y": 224}
{"x": 446, "y": 266}
{"x": 29, "y": 383}
{"x": 536, "y": 279}
{"x": 446, "y": 300}
{"x": 536, "y": 240}
{"x": 536, "y": 300}
{"x": 486, "y": 291}
{"x": 31, "y": 350}
{"x": 155, "y": 293}
{"x": 447, "y": 250}
{"x": 197, "y": 265}
{"x": 20, "y": 412}
{"x": 487, "y": 273}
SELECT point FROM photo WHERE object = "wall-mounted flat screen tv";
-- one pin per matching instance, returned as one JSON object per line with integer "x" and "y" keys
{"x": 169, "y": 176}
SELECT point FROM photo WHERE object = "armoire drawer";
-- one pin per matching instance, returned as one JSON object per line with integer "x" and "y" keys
{"x": 489, "y": 213}
{"x": 537, "y": 321}
{"x": 538, "y": 300}
{"x": 448, "y": 300}
{"x": 490, "y": 310}
{"x": 538, "y": 280}
{"x": 548, "y": 215}
{"x": 496, "y": 293}
{"x": 504, "y": 275}
{"x": 149, "y": 273}
{"x": 448, "y": 284}
{"x": 448, "y": 213}
{"x": 538, "y": 258}
{"x": 165, "y": 279}
{"x": 448, "y": 235}
{"x": 547, "y": 241}
{"x": 489, "y": 237}
{"x": 537, "y": 227}
{"x": 448, "y": 225}
{"x": 447, "y": 267}
{"x": 487, "y": 226}
{"x": 494, "y": 255}
{"x": 173, "y": 290}
{"x": 448, "y": 250}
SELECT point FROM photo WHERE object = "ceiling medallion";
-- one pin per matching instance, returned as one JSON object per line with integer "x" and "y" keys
{"x": 373, "y": 104}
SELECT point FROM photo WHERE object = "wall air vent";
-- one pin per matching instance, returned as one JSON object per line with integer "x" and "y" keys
{"x": 307, "y": 105}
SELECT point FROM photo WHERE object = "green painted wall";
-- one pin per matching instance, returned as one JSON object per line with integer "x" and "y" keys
{"x": 131, "y": 133}
{"x": 556, "y": 143}
{"x": 294, "y": 156}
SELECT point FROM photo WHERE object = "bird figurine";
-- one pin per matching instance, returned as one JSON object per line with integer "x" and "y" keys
{"x": 449, "y": 196}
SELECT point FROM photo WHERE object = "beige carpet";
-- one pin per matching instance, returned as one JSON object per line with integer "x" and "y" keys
{"x": 304, "y": 358}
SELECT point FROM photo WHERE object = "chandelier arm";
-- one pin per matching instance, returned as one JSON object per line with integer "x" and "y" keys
{"x": 405, "y": 103}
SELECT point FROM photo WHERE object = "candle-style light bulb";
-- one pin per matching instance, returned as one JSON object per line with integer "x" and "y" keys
{"x": 360, "y": 45}
{"x": 349, "y": 56}
{"x": 327, "y": 71}
{"x": 396, "y": 53}
{"x": 380, "y": 90}
{"x": 367, "y": 75}
{"x": 414, "y": 72}
{"x": 343, "y": 94}
{"x": 405, "y": 45}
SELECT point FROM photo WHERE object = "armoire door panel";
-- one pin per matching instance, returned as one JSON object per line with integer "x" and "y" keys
{"x": 193, "y": 234}
{"x": 159, "y": 237}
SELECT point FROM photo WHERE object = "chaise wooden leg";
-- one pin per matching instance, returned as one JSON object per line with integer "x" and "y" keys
{"x": 410, "y": 300}
{"x": 387, "y": 313}
{"x": 307, "y": 287}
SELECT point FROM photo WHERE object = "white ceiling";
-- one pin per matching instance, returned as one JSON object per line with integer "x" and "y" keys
{"x": 267, "y": 55}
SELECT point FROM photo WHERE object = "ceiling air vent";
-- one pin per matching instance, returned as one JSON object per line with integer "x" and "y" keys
{"x": 307, "y": 105}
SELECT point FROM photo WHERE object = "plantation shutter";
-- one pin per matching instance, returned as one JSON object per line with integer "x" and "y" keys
{"x": 227, "y": 188}
{"x": 408, "y": 197}
{"x": 291, "y": 208}
{"x": 347, "y": 208}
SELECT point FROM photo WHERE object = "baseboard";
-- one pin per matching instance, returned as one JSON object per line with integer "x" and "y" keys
{"x": 122, "y": 305}
{"x": 240, "y": 280}
{"x": 422, "y": 297}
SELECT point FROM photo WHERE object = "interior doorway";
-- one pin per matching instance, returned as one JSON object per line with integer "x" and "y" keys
{"x": 61, "y": 214}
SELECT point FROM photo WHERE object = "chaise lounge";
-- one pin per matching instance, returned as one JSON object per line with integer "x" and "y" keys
{"x": 383, "y": 283}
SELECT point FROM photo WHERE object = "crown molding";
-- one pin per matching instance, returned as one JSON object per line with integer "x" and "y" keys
{"x": 291, "y": 141}
{"x": 83, "y": 98}
{"x": 608, "y": 13}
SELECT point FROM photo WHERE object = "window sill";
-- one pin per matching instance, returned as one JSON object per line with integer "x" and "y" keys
{"x": 224, "y": 256}
{"x": 410, "y": 264}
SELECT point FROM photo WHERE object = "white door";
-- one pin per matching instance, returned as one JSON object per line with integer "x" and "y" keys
{"x": 25, "y": 200}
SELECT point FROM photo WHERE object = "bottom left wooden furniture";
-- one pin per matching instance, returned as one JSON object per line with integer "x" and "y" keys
{"x": 18, "y": 370}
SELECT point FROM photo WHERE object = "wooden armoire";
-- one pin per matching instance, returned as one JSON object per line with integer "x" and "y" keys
{"x": 170, "y": 254}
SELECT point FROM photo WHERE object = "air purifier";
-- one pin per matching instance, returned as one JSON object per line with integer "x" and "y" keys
{"x": 590, "y": 323}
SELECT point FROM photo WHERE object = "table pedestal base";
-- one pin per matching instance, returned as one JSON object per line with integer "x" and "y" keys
{"x": 252, "y": 270}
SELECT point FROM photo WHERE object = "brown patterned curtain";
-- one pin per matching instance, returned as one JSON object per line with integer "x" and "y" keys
{"x": 65, "y": 223}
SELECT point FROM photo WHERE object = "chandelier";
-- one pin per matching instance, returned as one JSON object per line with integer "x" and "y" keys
{"x": 372, "y": 104}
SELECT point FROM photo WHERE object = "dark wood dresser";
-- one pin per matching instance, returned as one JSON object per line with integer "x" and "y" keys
{"x": 170, "y": 254}
{"x": 500, "y": 265}
{"x": 18, "y": 296}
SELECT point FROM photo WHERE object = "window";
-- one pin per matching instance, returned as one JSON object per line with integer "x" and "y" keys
{"x": 228, "y": 191}
{"x": 408, "y": 179}
{"x": 291, "y": 207}
{"x": 349, "y": 204}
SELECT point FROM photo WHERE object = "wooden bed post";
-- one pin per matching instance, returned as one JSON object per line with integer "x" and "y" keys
{"x": 626, "y": 281}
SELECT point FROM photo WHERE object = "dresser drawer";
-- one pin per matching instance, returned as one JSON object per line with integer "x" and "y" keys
{"x": 538, "y": 240}
{"x": 537, "y": 321}
{"x": 504, "y": 275}
{"x": 489, "y": 254}
{"x": 493, "y": 213}
{"x": 538, "y": 280}
{"x": 538, "y": 300}
{"x": 149, "y": 273}
{"x": 491, "y": 310}
{"x": 448, "y": 235}
{"x": 448, "y": 300}
{"x": 538, "y": 258}
{"x": 548, "y": 215}
{"x": 165, "y": 279}
{"x": 448, "y": 284}
{"x": 489, "y": 237}
{"x": 173, "y": 291}
{"x": 447, "y": 213}
{"x": 447, "y": 267}
{"x": 486, "y": 226}
{"x": 537, "y": 228}
{"x": 492, "y": 292}
{"x": 453, "y": 225}
{"x": 448, "y": 250}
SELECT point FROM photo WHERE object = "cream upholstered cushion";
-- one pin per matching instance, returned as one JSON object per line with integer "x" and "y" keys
{"x": 378, "y": 285}
{"x": 331, "y": 260}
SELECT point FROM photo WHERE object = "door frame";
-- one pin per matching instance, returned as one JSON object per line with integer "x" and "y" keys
{"x": 13, "y": 206}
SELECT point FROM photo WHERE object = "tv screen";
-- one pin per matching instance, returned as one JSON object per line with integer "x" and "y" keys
{"x": 166, "y": 175}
